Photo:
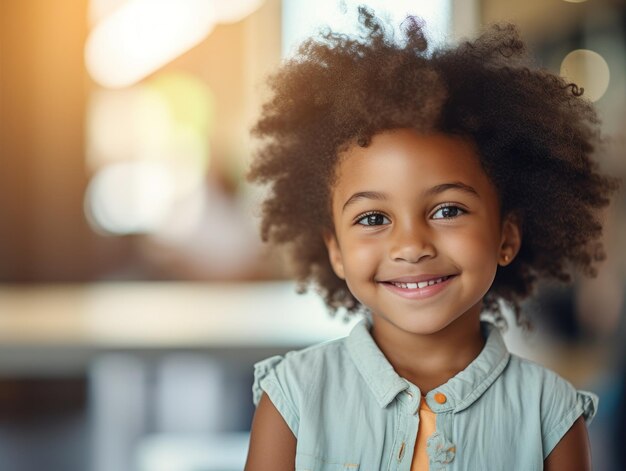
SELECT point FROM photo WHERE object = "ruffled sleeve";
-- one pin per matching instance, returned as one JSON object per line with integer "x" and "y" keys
{"x": 273, "y": 377}
{"x": 587, "y": 402}
{"x": 562, "y": 406}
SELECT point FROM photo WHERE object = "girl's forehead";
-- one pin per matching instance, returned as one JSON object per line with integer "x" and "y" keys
{"x": 404, "y": 153}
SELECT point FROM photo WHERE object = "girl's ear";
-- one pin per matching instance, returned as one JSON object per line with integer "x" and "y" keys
{"x": 511, "y": 239}
{"x": 334, "y": 254}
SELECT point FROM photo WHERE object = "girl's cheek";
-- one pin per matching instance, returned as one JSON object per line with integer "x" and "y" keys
{"x": 474, "y": 247}
{"x": 363, "y": 250}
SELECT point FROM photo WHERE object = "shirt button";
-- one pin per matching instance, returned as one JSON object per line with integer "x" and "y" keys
{"x": 440, "y": 398}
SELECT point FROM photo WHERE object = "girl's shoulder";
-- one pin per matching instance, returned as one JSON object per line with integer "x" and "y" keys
{"x": 287, "y": 378}
{"x": 297, "y": 366}
{"x": 548, "y": 397}
{"x": 536, "y": 379}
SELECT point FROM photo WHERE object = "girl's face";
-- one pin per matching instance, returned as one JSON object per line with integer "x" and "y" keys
{"x": 418, "y": 235}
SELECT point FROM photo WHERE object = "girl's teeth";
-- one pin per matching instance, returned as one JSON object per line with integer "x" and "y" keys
{"x": 421, "y": 284}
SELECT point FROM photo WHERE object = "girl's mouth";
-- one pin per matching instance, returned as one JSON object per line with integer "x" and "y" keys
{"x": 421, "y": 284}
{"x": 422, "y": 289}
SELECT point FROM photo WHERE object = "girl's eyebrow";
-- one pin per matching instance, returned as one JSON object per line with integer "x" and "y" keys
{"x": 452, "y": 186}
{"x": 370, "y": 195}
{"x": 375, "y": 195}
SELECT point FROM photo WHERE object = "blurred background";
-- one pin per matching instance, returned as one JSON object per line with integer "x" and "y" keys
{"x": 135, "y": 295}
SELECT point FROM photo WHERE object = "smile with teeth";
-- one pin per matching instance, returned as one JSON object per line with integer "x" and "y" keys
{"x": 421, "y": 284}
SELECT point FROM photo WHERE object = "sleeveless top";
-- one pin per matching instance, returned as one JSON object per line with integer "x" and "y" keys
{"x": 350, "y": 410}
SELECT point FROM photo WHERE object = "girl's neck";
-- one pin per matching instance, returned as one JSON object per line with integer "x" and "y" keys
{"x": 429, "y": 361}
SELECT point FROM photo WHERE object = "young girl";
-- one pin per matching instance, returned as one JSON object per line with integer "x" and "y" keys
{"x": 422, "y": 189}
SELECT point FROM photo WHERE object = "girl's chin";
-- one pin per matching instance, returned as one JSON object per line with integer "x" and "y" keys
{"x": 422, "y": 326}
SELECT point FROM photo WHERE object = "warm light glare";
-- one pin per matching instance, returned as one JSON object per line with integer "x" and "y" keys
{"x": 100, "y": 9}
{"x": 161, "y": 119}
{"x": 133, "y": 123}
{"x": 143, "y": 35}
{"x": 235, "y": 10}
{"x": 588, "y": 70}
{"x": 188, "y": 99}
{"x": 149, "y": 147}
{"x": 129, "y": 197}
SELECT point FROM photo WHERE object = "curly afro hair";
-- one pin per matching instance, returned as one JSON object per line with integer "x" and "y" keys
{"x": 535, "y": 135}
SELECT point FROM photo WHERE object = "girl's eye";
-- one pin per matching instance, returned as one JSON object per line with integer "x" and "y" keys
{"x": 373, "y": 219}
{"x": 448, "y": 212}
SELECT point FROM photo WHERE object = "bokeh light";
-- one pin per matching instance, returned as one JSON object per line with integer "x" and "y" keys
{"x": 141, "y": 36}
{"x": 136, "y": 134}
{"x": 235, "y": 10}
{"x": 588, "y": 70}
{"x": 134, "y": 123}
{"x": 97, "y": 10}
{"x": 129, "y": 197}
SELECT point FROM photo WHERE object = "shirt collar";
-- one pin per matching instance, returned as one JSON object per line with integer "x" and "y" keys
{"x": 460, "y": 391}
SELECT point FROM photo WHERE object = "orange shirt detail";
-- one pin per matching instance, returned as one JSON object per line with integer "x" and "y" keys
{"x": 426, "y": 428}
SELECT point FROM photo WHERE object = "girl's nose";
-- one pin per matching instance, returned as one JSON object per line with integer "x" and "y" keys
{"x": 411, "y": 244}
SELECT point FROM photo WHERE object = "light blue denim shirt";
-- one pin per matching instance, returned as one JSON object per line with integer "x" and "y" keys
{"x": 350, "y": 410}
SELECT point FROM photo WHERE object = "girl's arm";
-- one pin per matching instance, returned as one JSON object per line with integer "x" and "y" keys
{"x": 572, "y": 452}
{"x": 272, "y": 443}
